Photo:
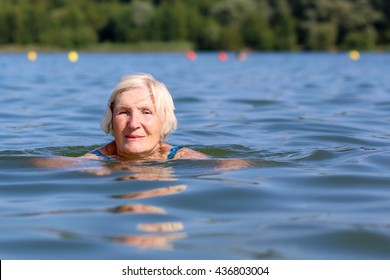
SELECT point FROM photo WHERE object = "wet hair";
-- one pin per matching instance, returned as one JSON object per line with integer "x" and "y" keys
{"x": 160, "y": 95}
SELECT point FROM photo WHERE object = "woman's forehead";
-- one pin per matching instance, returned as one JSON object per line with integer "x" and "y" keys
{"x": 134, "y": 96}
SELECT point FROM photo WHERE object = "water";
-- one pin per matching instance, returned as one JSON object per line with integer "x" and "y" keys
{"x": 314, "y": 127}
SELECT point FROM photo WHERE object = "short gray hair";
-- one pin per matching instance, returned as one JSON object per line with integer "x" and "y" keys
{"x": 160, "y": 95}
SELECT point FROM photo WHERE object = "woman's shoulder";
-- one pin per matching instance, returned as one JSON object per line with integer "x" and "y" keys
{"x": 102, "y": 153}
{"x": 187, "y": 153}
{"x": 96, "y": 154}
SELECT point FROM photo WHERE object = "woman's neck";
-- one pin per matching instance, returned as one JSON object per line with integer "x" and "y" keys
{"x": 158, "y": 153}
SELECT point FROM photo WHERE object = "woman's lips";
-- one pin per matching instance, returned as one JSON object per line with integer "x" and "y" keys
{"x": 134, "y": 137}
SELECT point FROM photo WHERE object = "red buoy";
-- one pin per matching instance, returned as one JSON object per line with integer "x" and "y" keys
{"x": 222, "y": 56}
{"x": 191, "y": 55}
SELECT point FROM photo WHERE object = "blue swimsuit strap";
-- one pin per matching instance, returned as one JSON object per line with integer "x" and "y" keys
{"x": 99, "y": 154}
{"x": 173, "y": 152}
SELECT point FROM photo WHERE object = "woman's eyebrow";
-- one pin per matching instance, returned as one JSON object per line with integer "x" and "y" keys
{"x": 122, "y": 108}
{"x": 141, "y": 107}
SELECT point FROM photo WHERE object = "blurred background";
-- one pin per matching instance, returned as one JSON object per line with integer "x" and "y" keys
{"x": 180, "y": 25}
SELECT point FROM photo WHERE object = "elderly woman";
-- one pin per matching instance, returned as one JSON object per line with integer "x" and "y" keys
{"x": 140, "y": 115}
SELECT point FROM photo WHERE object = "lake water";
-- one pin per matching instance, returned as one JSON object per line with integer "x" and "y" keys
{"x": 315, "y": 128}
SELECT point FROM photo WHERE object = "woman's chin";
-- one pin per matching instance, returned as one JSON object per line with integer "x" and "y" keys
{"x": 134, "y": 148}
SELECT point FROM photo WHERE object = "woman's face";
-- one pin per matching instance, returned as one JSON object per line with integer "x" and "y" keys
{"x": 136, "y": 126}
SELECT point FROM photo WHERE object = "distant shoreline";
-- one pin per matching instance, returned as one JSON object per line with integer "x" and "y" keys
{"x": 152, "y": 48}
{"x": 104, "y": 47}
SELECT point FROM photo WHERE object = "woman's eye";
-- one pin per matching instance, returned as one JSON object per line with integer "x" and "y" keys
{"x": 147, "y": 112}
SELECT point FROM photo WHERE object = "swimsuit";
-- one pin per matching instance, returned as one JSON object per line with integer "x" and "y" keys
{"x": 99, "y": 154}
{"x": 171, "y": 154}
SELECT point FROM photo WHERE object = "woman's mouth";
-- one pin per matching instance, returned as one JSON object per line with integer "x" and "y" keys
{"x": 134, "y": 137}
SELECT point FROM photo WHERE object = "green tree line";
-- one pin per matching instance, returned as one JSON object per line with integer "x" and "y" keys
{"x": 206, "y": 24}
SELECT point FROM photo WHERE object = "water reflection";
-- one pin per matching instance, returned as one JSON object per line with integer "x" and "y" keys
{"x": 161, "y": 227}
{"x": 138, "y": 208}
{"x": 155, "y": 241}
{"x": 152, "y": 193}
{"x": 151, "y": 241}
{"x": 138, "y": 171}
{"x": 147, "y": 173}
{"x": 154, "y": 235}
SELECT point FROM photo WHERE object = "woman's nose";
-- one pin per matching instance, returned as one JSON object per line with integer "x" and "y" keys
{"x": 134, "y": 121}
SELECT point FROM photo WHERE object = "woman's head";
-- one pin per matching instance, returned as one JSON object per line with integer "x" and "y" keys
{"x": 159, "y": 94}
